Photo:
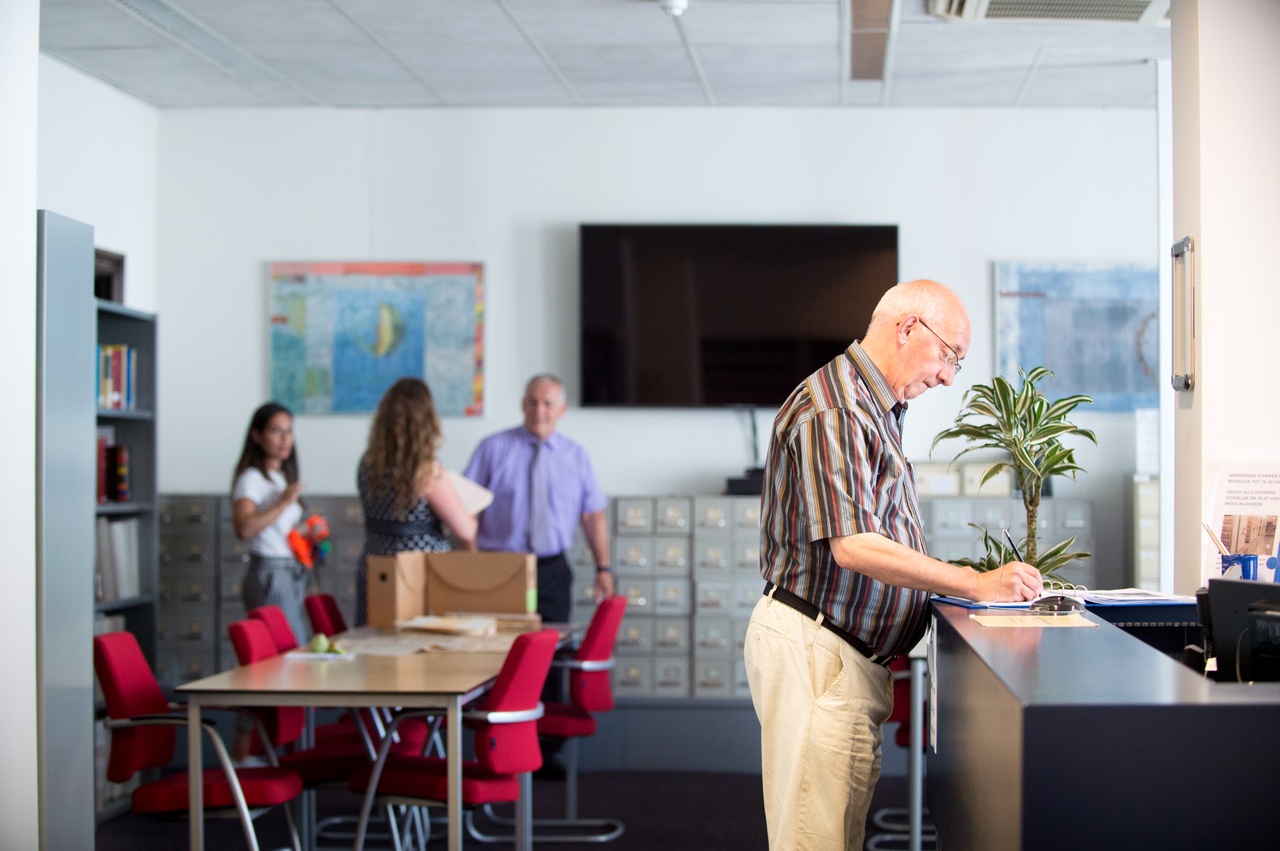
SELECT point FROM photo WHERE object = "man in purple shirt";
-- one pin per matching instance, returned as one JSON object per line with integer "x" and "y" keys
{"x": 543, "y": 487}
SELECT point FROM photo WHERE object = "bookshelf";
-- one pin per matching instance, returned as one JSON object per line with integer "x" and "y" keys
{"x": 125, "y": 522}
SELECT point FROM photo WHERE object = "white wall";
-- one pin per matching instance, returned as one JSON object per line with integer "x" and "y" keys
{"x": 98, "y": 155}
{"x": 1227, "y": 198}
{"x": 238, "y": 189}
{"x": 19, "y": 35}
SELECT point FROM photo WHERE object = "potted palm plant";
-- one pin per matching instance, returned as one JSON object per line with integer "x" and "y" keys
{"x": 1028, "y": 429}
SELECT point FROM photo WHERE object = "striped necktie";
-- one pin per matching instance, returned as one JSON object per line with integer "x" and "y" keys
{"x": 539, "y": 519}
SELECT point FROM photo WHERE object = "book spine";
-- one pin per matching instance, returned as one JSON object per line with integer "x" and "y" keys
{"x": 130, "y": 378}
{"x": 104, "y": 376}
{"x": 102, "y": 469}
{"x": 117, "y": 377}
{"x": 118, "y": 487}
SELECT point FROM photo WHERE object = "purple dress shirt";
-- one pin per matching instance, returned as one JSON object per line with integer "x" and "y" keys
{"x": 502, "y": 463}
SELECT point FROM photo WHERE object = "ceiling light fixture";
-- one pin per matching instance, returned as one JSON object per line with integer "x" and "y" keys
{"x": 674, "y": 8}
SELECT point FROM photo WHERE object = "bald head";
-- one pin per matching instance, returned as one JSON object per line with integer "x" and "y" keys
{"x": 917, "y": 327}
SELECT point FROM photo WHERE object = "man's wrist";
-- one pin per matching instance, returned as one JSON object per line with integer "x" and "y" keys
{"x": 603, "y": 568}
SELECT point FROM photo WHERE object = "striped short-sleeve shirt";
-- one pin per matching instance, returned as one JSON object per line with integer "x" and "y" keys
{"x": 836, "y": 467}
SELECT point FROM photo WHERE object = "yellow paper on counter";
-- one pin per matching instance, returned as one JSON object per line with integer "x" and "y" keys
{"x": 1073, "y": 619}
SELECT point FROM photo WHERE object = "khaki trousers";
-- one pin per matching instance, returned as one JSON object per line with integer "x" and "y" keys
{"x": 821, "y": 705}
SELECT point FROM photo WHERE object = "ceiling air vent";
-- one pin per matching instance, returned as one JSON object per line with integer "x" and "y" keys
{"x": 1112, "y": 11}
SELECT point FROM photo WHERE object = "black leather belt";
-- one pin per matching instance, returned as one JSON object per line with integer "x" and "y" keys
{"x": 809, "y": 610}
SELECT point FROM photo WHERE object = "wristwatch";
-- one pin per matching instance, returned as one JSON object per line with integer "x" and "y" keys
{"x": 603, "y": 568}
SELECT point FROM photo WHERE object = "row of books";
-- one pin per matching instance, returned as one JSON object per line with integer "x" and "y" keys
{"x": 116, "y": 564}
{"x": 113, "y": 467}
{"x": 117, "y": 376}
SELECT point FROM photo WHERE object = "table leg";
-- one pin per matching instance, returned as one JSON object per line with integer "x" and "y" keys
{"x": 453, "y": 751}
{"x": 195, "y": 792}
{"x": 915, "y": 759}
{"x": 524, "y": 813}
{"x": 308, "y": 799}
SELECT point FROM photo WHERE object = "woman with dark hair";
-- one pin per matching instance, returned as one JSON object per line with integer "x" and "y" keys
{"x": 407, "y": 498}
{"x": 265, "y": 507}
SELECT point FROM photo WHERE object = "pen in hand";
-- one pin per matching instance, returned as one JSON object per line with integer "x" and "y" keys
{"x": 1008, "y": 540}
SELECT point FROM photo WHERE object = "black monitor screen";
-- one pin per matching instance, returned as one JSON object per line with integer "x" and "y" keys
{"x": 700, "y": 315}
{"x": 1245, "y": 621}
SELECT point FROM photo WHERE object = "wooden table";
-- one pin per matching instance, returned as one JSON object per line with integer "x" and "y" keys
{"x": 442, "y": 680}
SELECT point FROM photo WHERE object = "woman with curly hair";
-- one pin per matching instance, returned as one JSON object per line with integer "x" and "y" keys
{"x": 408, "y": 500}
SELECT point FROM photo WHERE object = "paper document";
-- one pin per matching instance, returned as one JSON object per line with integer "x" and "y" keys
{"x": 474, "y": 497}
{"x": 300, "y": 655}
{"x": 451, "y": 625}
{"x": 1118, "y": 597}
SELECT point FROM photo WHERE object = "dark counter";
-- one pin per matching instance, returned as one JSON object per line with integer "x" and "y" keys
{"x": 1050, "y": 738}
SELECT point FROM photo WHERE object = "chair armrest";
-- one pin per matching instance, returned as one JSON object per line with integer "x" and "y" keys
{"x": 585, "y": 664}
{"x": 508, "y": 717}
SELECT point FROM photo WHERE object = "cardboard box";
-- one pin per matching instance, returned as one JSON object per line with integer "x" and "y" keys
{"x": 409, "y": 584}
{"x": 397, "y": 587}
{"x": 481, "y": 582}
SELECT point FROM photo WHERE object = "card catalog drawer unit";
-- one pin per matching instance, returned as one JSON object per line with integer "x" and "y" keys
{"x": 712, "y": 557}
{"x": 187, "y": 587}
{"x": 713, "y": 638}
{"x": 635, "y": 636}
{"x": 633, "y": 676}
{"x": 670, "y": 676}
{"x": 186, "y": 550}
{"x": 713, "y": 677}
{"x": 672, "y": 597}
{"x": 633, "y": 516}
{"x": 951, "y": 517}
{"x": 746, "y": 558}
{"x": 713, "y": 598}
{"x": 746, "y": 593}
{"x": 673, "y": 516}
{"x": 746, "y": 516}
{"x": 713, "y": 514}
{"x": 639, "y": 594}
{"x": 633, "y": 556}
{"x": 671, "y": 635}
{"x": 671, "y": 557}
{"x": 342, "y": 513}
{"x": 193, "y": 514}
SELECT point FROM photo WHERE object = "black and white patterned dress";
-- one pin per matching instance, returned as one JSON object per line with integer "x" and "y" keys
{"x": 387, "y": 534}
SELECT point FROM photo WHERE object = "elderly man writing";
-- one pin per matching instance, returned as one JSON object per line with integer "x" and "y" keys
{"x": 847, "y": 573}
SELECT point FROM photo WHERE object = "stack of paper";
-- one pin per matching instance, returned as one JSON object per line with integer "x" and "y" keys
{"x": 466, "y": 625}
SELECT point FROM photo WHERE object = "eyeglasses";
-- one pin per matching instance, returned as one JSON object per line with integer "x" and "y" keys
{"x": 954, "y": 360}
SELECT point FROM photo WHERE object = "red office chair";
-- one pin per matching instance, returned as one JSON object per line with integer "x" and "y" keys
{"x": 142, "y": 736}
{"x": 339, "y": 750}
{"x": 275, "y": 620}
{"x": 893, "y": 824}
{"x": 324, "y": 614}
{"x": 506, "y": 744}
{"x": 590, "y": 691}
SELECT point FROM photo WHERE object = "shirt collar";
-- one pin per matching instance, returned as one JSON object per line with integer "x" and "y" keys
{"x": 552, "y": 440}
{"x": 879, "y": 386}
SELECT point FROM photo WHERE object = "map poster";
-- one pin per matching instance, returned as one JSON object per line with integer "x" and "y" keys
{"x": 342, "y": 333}
{"x": 1095, "y": 327}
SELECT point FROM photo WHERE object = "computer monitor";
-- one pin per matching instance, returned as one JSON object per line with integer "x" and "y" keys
{"x": 1244, "y": 618}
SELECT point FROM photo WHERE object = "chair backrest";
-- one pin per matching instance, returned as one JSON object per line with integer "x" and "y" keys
{"x": 130, "y": 689}
{"x": 325, "y": 616}
{"x": 592, "y": 691}
{"x": 275, "y": 620}
{"x": 253, "y": 642}
{"x": 513, "y": 748}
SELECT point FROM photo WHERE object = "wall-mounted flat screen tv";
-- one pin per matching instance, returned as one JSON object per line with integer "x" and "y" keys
{"x": 685, "y": 316}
